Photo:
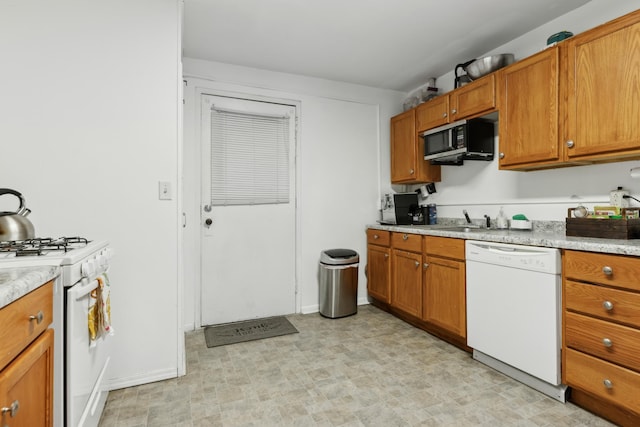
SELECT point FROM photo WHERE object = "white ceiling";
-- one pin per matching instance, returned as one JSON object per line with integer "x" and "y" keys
{"x": 381, "y": 43}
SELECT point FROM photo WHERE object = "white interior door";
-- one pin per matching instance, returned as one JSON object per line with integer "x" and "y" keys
{"x": 247, "y": 249}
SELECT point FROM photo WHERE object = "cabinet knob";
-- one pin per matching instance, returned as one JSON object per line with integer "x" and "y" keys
{"x": 444, "y": 115}
{"x": 425, "y": 265}
{"x": 38, "y": 317}
{"x": 607, "y": 305}
{"x": 376, "y": 237}
{"x": 411, "y": 171}
{"x": 454, "y": 111}
{"x": 607, "y": 383}
{"x": 386, "y": 256}
{"x": 607, "y": 342}
{"x": 417, "y": 264}
{"x": 405, "y": 237}
{"x": 608, "y": 271}
{"x": 570, "y": 143}
{"x": 13, "y": 409}
{"x": 501, "y": 155}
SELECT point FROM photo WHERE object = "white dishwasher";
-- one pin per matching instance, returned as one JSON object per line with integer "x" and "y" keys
{"x": 514, "y": 312}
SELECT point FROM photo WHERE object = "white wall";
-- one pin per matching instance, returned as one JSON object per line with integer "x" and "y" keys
{"x": 343, "y": 155}
{"x": 481, "y": 188}
{"x": 89, "y": 113}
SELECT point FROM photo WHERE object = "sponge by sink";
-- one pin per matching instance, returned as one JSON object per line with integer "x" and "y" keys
{"x": 520, "y": 217}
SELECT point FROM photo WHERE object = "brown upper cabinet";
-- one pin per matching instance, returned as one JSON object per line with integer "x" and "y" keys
{"x": 576, "y": 103}
{"x": 477, "y": 97}
{"x": 407, "y": 152}
{"x": 528, "y": 105}
{"x": 407, "y": 148}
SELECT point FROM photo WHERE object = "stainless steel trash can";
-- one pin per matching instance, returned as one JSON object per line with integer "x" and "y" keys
{"x": 338, "y": 282}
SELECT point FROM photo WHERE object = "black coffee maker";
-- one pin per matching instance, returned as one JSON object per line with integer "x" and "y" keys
{"x": 408, "y": 211}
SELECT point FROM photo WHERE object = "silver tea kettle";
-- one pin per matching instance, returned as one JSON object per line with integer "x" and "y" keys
{"x": 15, "y": 225}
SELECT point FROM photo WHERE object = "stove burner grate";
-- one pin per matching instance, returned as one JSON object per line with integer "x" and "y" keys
{"x": 41, "y": 246}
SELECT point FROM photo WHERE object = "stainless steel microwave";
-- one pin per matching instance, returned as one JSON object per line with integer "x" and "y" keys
{"x": 462, "y": 140}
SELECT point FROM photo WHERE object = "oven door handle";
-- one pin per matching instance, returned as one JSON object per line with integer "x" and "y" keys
{"x": 85, "y": 287}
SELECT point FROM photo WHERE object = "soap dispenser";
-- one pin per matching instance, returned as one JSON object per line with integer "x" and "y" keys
{"x": 501, "y": 220}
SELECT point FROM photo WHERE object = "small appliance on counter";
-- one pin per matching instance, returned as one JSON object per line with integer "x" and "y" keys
{"x": 408, "y": 211}
{"x": 403, "y": 209}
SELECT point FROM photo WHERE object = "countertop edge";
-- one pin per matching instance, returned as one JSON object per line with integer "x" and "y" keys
{"x": 16, "y": 282}
{"x": 530, "y": 238}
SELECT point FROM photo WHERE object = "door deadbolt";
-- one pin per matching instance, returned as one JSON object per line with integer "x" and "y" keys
{"x": 208, "y": 222}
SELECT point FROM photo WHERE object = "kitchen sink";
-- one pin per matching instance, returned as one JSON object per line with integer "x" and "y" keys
{"x": 461, "y": 228}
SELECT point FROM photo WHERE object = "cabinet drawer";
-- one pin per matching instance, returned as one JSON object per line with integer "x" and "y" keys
{"x": 610, "y": 304}
{"x": 593, "y": 375}
{"x": 609, "y": 341}
{"x": 407, "y": 241}
{"x": 444, "y": 247}
{"x": 613, "y": 270}
{"x": 17, "y": 330}
{"x": 378, "y": 237}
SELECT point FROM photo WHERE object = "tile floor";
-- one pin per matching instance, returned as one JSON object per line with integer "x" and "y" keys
{"x": 370, "y": 369}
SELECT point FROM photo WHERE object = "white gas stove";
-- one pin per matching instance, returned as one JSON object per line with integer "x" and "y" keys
{"x": 80, "y": 363}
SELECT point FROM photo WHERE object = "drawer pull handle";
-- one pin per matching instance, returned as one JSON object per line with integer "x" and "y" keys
{"x": 607, "y": 342}
{"x": 405, "y": 237}
{"x": 608, "y": 271}
{"x": 13, "y": 409}
{"x": 607, "y": 305}
{"x": 38, "y": 317}
{"x": 608, "y": 384}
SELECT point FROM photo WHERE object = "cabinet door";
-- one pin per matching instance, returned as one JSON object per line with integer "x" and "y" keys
{"x": 26, "y": 385}
{"x": 379, "y": 272}
{"x": 529, "y": 102}
{"x": 406, "y": 288}
{"x": 432, "y": 113}
{"x": 444, "y": 294}
{"x": 404, "y": 147}
{"x": 604, "y": 91}
{"x": 474, "y": 98}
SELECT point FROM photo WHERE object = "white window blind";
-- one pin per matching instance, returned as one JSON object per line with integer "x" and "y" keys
{"x": 249, "y": 158}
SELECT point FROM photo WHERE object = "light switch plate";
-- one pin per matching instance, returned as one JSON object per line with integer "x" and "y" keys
{"x": 164, "y": 190}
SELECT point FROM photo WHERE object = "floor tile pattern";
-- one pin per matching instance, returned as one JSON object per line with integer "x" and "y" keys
{"x": 370, "y": 369}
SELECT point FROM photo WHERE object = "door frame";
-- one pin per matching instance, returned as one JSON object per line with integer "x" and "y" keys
{"x": 199, "y": 91}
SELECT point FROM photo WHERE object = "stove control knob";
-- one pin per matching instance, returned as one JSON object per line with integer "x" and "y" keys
{"x": 88, "y": 268}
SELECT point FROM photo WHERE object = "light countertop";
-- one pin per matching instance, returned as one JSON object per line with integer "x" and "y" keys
{"x": 547, "y": 237}
{"x": 16, "y": 282}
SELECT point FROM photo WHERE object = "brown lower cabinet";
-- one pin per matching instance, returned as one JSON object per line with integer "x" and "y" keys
{"x": 444, "y": 296}
{"x": 378, "y": 267}
{"x": 601, "y": 334}
{"x": 426, "y": 281}
{"x": 26, "y": 373}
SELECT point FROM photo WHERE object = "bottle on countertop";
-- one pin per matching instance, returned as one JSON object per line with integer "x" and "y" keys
{"x": 432, "y": 214}
{"x": 501, "y": 220}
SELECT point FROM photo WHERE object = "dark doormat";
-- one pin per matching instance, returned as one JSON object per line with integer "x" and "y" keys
{"x": 249, "y": 330}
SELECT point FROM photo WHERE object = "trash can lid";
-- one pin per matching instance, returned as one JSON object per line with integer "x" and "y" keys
{"x": 339, "y": 256}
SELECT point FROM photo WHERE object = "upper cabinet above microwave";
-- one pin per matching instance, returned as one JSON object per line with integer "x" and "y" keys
{"x": 407, "y": 148}
{"x": 576, "y": 103}
{"x": 477, "y": 97}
